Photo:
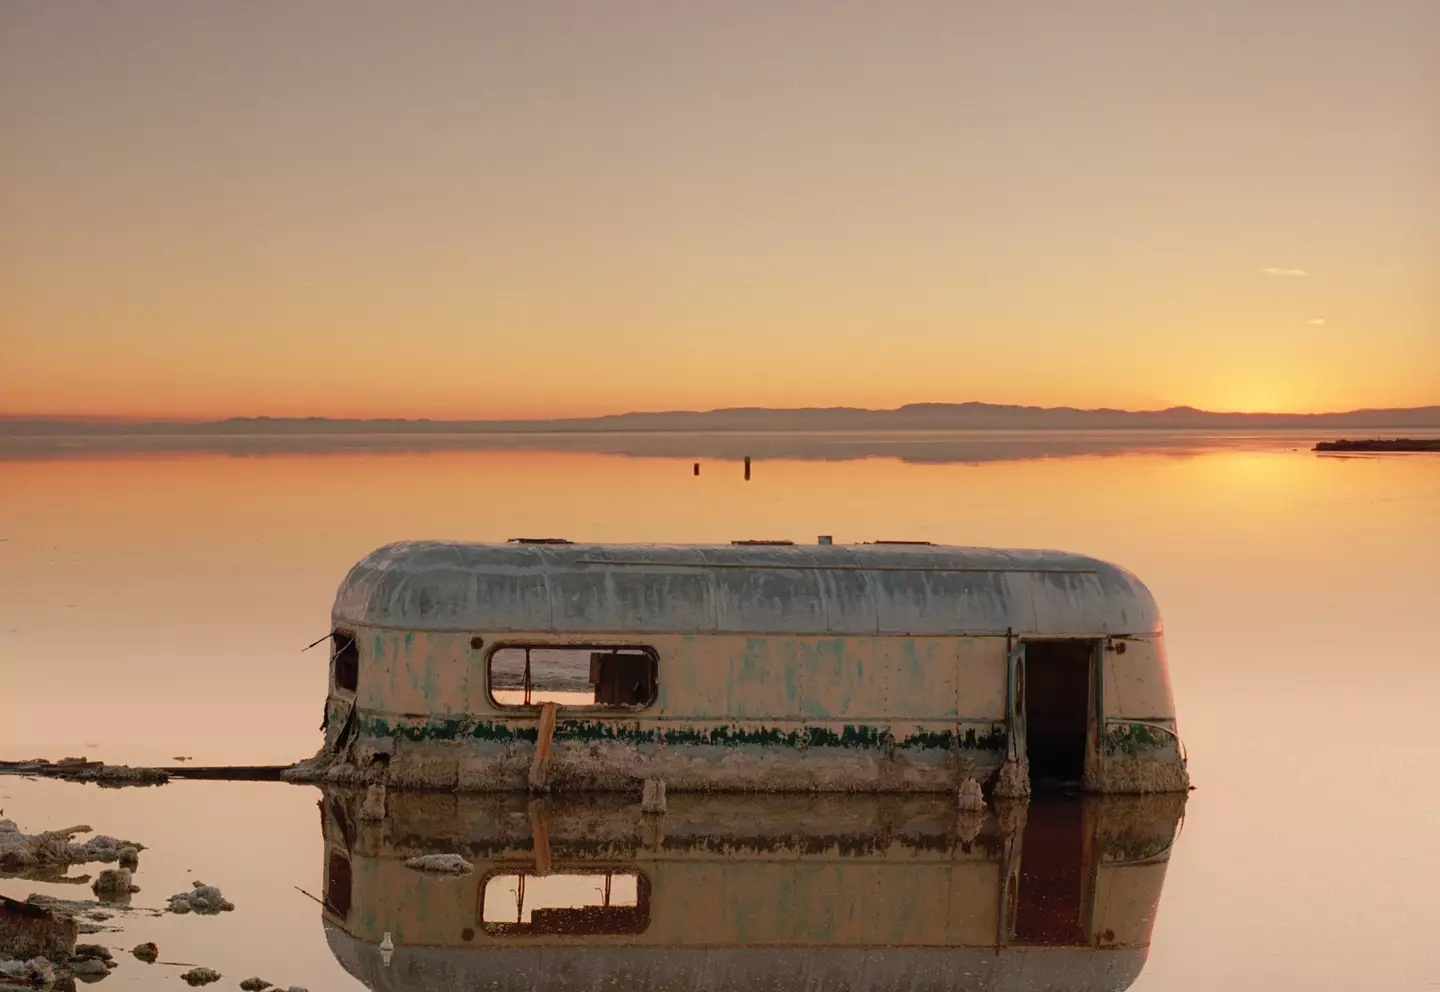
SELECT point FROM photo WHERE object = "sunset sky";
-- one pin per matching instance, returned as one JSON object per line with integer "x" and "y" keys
{"x": 486, "y": 209}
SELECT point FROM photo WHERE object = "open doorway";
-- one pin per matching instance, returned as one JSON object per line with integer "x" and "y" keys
{"x": 1057, "y": 710}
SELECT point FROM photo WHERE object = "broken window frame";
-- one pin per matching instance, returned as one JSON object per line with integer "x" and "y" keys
{"x": 586, "y": 648}
{"x": 338, "y": 657}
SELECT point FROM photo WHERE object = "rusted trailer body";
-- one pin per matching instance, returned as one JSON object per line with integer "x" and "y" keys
{"x": 747, "y": 892}
{"x": 863, "y": 668}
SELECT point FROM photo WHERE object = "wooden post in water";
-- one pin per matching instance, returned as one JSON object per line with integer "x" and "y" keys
{"x": 540, "y": 763}
{"x": 747, "y": 468}
{"x": 697, "y": 468}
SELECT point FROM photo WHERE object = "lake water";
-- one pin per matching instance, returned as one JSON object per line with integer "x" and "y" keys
{"x": 153, "y": 605}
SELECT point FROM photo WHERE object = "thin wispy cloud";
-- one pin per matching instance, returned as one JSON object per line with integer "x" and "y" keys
{"x": 1294, "y": 273}
{"x": 1317, "y": 321}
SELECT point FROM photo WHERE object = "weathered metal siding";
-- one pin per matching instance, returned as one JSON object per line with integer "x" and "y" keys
{"x": 412, "y": 672}
{"x": 1137, "y": 682}
{"x": 868, "y": 679}
{"x": 724, "y": 678}
{"x": 743, "y": 712}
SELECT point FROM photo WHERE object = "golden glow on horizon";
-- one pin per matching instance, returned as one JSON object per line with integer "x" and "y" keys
{"x": 233, "y": 214}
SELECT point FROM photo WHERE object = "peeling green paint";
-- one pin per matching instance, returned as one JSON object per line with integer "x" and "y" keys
{"x": 854, "y": 736}
{"x": 602, "y": 730}
{"x": 731, "y": 736}
{"x": 1132, "y": 738}
{"x": 446, "y": 729}
{"x": 992, "y": 740}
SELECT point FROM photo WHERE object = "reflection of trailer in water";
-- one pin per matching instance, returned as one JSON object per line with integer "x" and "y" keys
{"x": 748, "y": 892}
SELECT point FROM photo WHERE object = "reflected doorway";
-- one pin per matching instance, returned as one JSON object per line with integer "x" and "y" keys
{"x": 1055, "y": 878}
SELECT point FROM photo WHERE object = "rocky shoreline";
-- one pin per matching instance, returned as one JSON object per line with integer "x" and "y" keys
{"x": 40, "y": 936}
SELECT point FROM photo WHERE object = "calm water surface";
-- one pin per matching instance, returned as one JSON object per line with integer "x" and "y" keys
{"x": 153, "y": 605}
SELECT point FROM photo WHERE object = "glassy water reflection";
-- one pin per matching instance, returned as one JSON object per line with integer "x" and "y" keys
{"x": 747, "y": 892}
{"x": 153, "y": 605}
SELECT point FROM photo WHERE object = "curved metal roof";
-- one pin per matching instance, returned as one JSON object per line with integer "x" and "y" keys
{"x": 550, "y": 968}
{"x": 741, "y": 589}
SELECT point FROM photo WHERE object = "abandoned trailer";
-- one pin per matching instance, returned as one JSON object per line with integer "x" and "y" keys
{"x": 881, "y": 667}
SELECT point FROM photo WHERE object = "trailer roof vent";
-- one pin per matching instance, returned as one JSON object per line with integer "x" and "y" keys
{"x": 763, "y": 544}
{"x": 538, "y": 540}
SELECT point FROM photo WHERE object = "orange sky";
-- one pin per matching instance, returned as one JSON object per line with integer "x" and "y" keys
{"x": 565, "y": 208}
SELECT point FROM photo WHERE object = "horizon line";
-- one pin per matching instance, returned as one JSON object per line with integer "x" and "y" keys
{"x": 81, "y": 419}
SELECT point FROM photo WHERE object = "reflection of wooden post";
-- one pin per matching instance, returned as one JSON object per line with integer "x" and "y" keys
{"x": 652, "y": 796}
{"x": 539, "y": 811}
{"x": 540, "y": 764}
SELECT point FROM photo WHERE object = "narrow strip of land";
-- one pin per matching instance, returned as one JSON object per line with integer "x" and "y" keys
{"x": 1381, "y": 444}
{"x": 79, "y": 770}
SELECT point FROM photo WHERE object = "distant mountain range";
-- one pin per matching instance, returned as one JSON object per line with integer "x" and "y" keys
{"x": 911, "y": 417}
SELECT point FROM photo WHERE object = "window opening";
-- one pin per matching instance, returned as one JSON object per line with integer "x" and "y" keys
{"x": 347, "y": 660}
{"x": 573, "y": 676}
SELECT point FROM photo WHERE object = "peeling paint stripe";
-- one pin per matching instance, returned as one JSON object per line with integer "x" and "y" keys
{"x": 849, "y": 736}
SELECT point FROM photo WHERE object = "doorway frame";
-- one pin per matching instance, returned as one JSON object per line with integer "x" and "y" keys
{"x": 1017, "y": 702}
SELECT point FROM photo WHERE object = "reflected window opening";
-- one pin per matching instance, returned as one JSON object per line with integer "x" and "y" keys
{"x": 565, "y": 902}
{"x": 339, "y": 884}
